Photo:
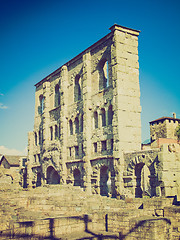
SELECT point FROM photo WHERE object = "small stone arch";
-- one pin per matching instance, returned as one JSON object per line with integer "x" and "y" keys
{"x": 52, "y": 176}
{"x": 102, "y": 175}
{"x": 76, "y": 173}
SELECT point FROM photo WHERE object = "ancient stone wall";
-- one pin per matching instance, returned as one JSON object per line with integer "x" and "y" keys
{"x": 66, "y": 212}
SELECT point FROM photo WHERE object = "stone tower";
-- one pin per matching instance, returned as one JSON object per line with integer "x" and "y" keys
{"x": 87, "y": 114}
{"x": 164, "y": 128}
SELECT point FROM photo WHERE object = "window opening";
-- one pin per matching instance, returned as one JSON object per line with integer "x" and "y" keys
{"x": 110, "y": 115}
{"x": 76, "y": 125}
{"x": 95, "y": 120}
{"x": 56, "y": 132}
{"x": 57, "y": 96}
{"x": 103, "y": 146}
{"x": 40, "y": 137}
{"x": 81, "y": 123}
{"x": 35, "y": 138}
{"x": 51, "y": 133}
{"x": 70, "y": 152}
{"x": 95, "y": 147}
{"x": 71, "y": 127}
{"x": 103, "y": 74}
{"x": 77, "y": 89}
{"x": 41, "y": 107}
{"x": 106, "y": 74}
{"x": 103, "y": 117}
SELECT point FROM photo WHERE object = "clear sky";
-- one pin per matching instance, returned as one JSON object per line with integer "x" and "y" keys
{"x": 37, "y": 37}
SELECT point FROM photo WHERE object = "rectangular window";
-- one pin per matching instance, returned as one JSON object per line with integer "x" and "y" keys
{"x": 35, "y": 158}
{"x": 103, "y": 146}
{"x": 95, "y": 147}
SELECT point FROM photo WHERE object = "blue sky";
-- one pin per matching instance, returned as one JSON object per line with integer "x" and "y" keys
{"x": 37, "y": 37}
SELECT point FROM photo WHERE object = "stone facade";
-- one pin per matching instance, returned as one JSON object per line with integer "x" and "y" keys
{"x": 87, "y": 128}
{"x": 87, "y": 113}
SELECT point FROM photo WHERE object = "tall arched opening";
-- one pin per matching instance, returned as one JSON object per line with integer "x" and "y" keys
{"x": 52, "y": 176}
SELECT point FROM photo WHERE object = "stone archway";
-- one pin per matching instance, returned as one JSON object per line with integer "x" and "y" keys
{"x": 141, "y": 171}
{"x": 52, "y": 176}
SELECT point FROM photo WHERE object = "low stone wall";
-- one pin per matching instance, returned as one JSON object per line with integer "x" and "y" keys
{"x": 58, "y": 212}
{"x": 173, "y": 213}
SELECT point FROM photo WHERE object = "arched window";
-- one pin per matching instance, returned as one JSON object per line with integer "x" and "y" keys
{"x": 57, "y": 96}
{"x": 76, "y": 125}
{"x": 110, "y": 115}
{"x": 103, "y": 117}
{"x": 41, "y": 106}
{"x": 77, "y": 88}
{"x": 70, "y": 127}
{"x": 106, "y": 73}
{"x": 81, "y": 123}
{"x": 35, "y": 138}
{"x": 95, "y": 119}
{"x": 103, "y": 74}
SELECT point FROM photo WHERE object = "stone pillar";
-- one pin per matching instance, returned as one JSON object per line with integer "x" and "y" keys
{"x": 63, "y": 115}
{"x": 126, "y": 96}
{"x": 30, "y": 159}
{"x": 45, "y": 115}
{"x": 87, "y": 118}
{"x": 126, "y": 91}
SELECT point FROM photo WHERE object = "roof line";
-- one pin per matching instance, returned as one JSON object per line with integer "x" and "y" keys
{"x": 163, "y": 118}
